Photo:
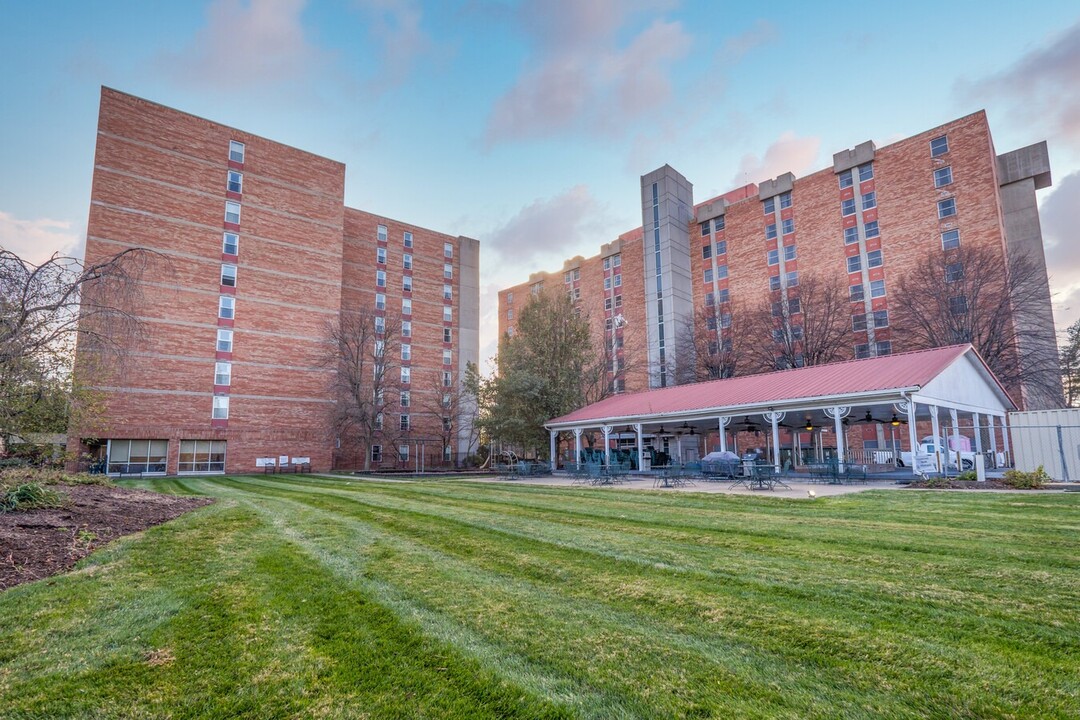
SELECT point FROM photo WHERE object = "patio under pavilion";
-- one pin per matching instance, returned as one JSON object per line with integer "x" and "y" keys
{"x": 950, "y": 386}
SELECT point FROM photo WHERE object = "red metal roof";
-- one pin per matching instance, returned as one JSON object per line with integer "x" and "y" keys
{"x": 880, "y": 374}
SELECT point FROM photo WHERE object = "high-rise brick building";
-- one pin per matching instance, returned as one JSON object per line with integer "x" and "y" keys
{"x": 256, "y": 256}
{"x": 872, "y": 217}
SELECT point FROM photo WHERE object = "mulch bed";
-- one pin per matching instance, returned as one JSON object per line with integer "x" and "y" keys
{"x": 37, "y": 543}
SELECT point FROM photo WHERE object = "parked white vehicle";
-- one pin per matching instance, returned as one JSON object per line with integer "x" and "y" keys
{"x": 929, "y": 447}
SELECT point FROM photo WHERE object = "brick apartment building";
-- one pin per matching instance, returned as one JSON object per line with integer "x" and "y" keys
{"x": 873, "y": 216}
{"x": 256, "y": 257}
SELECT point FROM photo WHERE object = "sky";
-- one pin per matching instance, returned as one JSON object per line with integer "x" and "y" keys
{"x": 528, "y": 125}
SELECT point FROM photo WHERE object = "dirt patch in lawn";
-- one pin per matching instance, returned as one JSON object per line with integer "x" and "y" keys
{"x": 38, "y": 543}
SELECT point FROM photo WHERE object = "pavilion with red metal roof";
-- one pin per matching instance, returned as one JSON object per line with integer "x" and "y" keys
{"x": 895, "y": 389}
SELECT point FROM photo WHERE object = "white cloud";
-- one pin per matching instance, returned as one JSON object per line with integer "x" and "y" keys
{"x": 736, "y": 47}
{"x": 395, "y": 27}
{"x": 1060, "y": 216}
{"x": 583, "y": 74}
{"x": 788, "y": 153}
{"x": 37, "y": 240}
{"x": 1041, "y": 88}
{"x": 254, "y": 44}
{"x": 549, "y": 226}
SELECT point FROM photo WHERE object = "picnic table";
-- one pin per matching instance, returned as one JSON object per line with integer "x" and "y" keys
{"x": 759, "y": 476}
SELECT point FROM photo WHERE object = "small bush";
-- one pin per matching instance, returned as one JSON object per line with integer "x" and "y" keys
{"x": 968, "y": 476}
{"x": 29, "y": 496}
{"x": 1020, "y": 480}
{"x": 13, "y": 476}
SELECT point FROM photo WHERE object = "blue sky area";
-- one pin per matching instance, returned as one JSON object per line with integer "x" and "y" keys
{"x": 527, "y": 125}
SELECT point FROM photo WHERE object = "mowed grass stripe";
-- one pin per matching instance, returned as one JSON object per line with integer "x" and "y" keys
{"x": 765, "y": 609}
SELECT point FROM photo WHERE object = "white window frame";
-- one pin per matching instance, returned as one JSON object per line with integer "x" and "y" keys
{"x": 448, "y": 250}
{"x": 380, "y": 278}
{"x": 406, "y": 328}
{"x": 448, "y": 271}
{"x": 448, "y": 313}
{"x": 232, "y": 208}
{"x": 447, "y": 335}
{"x": 407, "y": 261}
{"x": 220, "y": 409}
{"x": 406, "y": 306}
{"x": 406, "y": 375}
{"x": 946, "y": 202}
{"x": 237, "y": 151}
{"x": 447, "y": 357}
{"x": 224, "y": 341}
{"x": 222, "y": 372}
{"x": 406, "y": 351}
{"x": 953, "y": 241}
{"x": 448, "y": 292}
{"x": 381, "y": 233}
{"x": 406, "y": 283}
{"x": 228, "y": 272}
{"x": 239, "y": 182}
{"x": 380, "y": 255}
{"x": 380, "y": 301}
{"x": 225, "y": 244}
{"x": 226, "y": 307}
{"x": 407, "y": 239}
{"x": 943, "y": 176}
{"x": 934, "y": 152}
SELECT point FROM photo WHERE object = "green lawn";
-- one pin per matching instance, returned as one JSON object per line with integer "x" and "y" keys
{"x": 316, "y": 597}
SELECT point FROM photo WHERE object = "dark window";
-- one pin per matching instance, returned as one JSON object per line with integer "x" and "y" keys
{"x": 939, "y": 146}
{"x": 705, "y": 228}
{"x": 721, "y": 247}
{"x": 785, "y": 200}
{"x": 721, "y": 272}
{"x": 872, "y": 229}
{"x": 706, "y": 252}
{"x": 858, "y": 322}
{"x": 873, "y": 258}
{"x": 869, "y": 201}
{"x": 854, "y": 264}
{"x": 847, "y": 207}
{"x": 954, "y": 272}
{"x": 787, "y": 226}
{"x": 851, "y": 235}
{"x": 770, "y": 206}
{"x": 722, "y": 296}
{"x": 958, "y": 305}
{"x": 943, "y": 177}
{"x": 846, "y": 180}
{"x": 950, "y": 240}
{"x": 881, "y": 318}
{"x": 718, "y": 224}
{"x": 866, "y": 172}
{"x": 855, "y": 292}
{"x": 877, "y": 288}
{"x": 770, "y": 231}
{"x": 946, "y": 208}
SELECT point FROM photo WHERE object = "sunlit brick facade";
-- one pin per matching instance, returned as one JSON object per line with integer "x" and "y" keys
{"x": 256, "y": 256}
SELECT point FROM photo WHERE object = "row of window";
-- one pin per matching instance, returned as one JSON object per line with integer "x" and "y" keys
{"x": 714, "y": 225}
{"x": 869, "y": 202}
{"x": 708, "y": 249}
{"x": 882, "y": 347}
{"x": 406, "y": 303}
{"x": 865, "y": 172}
{"x": 403, "y": 453}
{"x": 857, "y": 292}
{"x": 407, "y": 261}
{"x": 873, "y": 260}
{"x": 773, "y": 256}
{"x": 876, "y": 319}
{"x": 851, "y": 234}
{"x": 769, "y": 204}
{"x": 787, "y": 228}
{"x": 792, "y": 280}
{"x": 151, "y": 456}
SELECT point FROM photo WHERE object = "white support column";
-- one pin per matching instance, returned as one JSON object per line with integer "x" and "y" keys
{"x": 577, "y": 446}
{"x": 936, "y": 426}
{"x": 913, "y": 435}
{"x": 993, "y": 439}
{"x": 838, "y": 413}
{"x": 774, "y": 419}
{"x": 678, "y": 448}
{"x": 955, "y": 419}
{"x": 723, "y": 423}
{"x": 607, "y": 445}
{"x": 978, "y": 434}
{"x": 554, "y": 439}
{"x": 1005, "y": 439}
{"x": 640, "y": 448}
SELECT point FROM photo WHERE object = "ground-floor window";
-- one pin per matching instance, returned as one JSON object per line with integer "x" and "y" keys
{"x": 202, "y": 456}
{"x": 138, "y": 456}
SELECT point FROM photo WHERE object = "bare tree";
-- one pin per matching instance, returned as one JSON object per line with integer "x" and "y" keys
{"x": 446, "y": 408}
{"x": 47, "y": 310}
{"x": 807, "y": 324}
{"x": 365, "y": 349}
{"x": 974, "y": 295}
{"x": 718, "y": 348}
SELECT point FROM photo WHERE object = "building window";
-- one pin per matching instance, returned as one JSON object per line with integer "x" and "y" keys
{"x": 380, "y": 325}
{"x": 509, "y": 298}
{"x": 235, "y": 183}
{"x": 710, "y": 299}
{"x": 851, "y": 235}
{"x": 607, "y": 283}
{"x": 882, "y": 347}
{"x": 869, "y": 201}
{"x": 380, "y": 255}
{"x": 847, "y": 207}
{"x": 406, "y": 328}
{"x": 447, "y": 335}
{"x": 618, "y": 280}
{"x": 721, "y": 272}
{"x": 224, "y": 340}
{"x": 866, "y": 172}
{"x": 618, "y": 301}
{"x": 958, "y": 305}
{"x": 226, "y": 307}
{"x": 380, "y": 301}
{"x": 403, "y": 420}
{"x": 380, "y": 278}
{"x": 855, "y": 293}
{"x": 403, "y": 453}
{"x": 862, "y": 351}
{"x": 950, "y": 240}
{"x": 877, "y": 288}
{"x": 232, "y": 212}
{"x": 447, "y": 292}
{"x": 406, "y": 351}
{"x": 405, "y": 399}
{"x": 607, "y": 263}
{"x": 846, "y": 179}
{"x": 448, "y": 250}
{"x": 406, "y": 283}
{"x": 448, "y": 378}
{"x": 939, "y": 146}
{"x": 406, "y": 306}
{"x": 221, "y": 408}
{"x": 721, "y": 247}
{"x": 705, "y": 228}
{"x": 607, "y": 303}
{"x": 881, "y": 318}
{"x": 954, "y": 272}
{"x": 778, "y": 309}
{"x": 201, "y": 456}
{"x": 447, "y": 270}
{"x": 943, "y": 177}
{"x": 230, "y": 244}
{"x": 236, "y": 151}
{"x": 793, "y": 278}
{"x": 770, "y": 231}
{"x": 773, "y": 257}
{"x": 774, "y": 282}
{"x": 858, "y": 322}
{"x": 447, "y": 357}
{"x": 380, "y": 233}
{"x": 228, "y": 275}
{"x": 872, "y": 230}
{"x": 873, "y": 259}
{"x": 789, "y": 252}
{"x": 406, "y": 239}
{"x": 785, "y": 200}
{"x": 130, "y": 456}
{"x": 406, "y": 375}
{"x": 223, "y": 373}
{"x": 376, "y": 453}
{"x": 448, "y": 313}
{"x": 706, "y": 252}
{"x": 380, "y": 348}
{"x": 854, "y": 263}
{"x": 787, "y": 226}
{"x": 710, "y": 322}
{"x": 946, "y": 208}
{"x": 770, "y": 206}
